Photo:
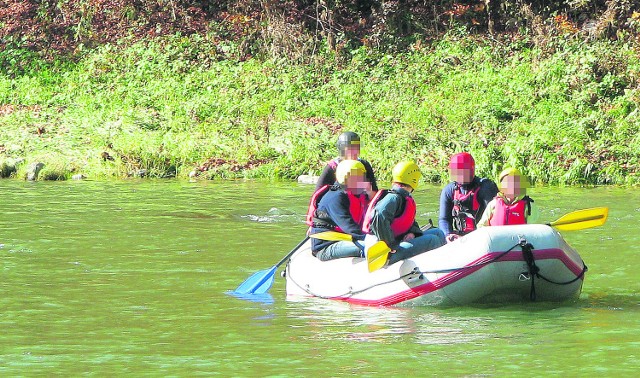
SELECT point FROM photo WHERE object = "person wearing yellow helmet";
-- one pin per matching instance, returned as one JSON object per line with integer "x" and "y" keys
{"x": 348, "y": 149}
{"x": 391, "y": 216}
{"x": 462, "y": 201}
{"x": 340, "y": 207}
{"x": 511, "y": 205}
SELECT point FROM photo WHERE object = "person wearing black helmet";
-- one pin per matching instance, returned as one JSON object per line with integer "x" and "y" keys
{"x": 349, "y": 149}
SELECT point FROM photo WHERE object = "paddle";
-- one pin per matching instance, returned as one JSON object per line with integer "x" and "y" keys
{"x": 377, "y": 255}
{"x": 261, "y": 281}
{"x": 332, "y": 236}
{"x": 581, "y": 219}
{"x": 576, "y": 220}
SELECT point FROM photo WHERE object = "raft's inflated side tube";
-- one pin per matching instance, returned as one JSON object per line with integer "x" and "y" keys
{"x": 454, "y": 274}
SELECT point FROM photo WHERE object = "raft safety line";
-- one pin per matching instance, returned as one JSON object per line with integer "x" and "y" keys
{"x": 522, "y": 243}
{"x": 351, "y": 293}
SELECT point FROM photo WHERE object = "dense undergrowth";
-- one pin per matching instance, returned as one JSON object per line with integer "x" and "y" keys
{"x": 567, "y": 113}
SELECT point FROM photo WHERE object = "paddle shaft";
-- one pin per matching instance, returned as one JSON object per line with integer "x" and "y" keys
{"x": 261, "y": 281}
{"x": 294, "y": 250}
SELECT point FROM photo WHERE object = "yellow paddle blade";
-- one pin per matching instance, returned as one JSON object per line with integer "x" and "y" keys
{"x": 377, "y": 256}
{"x": 332, "y": 236}
{"x": 581, "y": 219}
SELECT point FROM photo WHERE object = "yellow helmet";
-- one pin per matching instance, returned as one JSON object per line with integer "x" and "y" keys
{"x": 347, "y": 168}
{"x": 408, "y": 173}
{"x": 524, "y": 182}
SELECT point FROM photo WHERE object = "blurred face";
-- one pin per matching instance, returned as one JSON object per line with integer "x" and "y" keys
{"x": 511, "y": 188}
{"x": 352, "y": 152}
{"x": 461, "y": 175}
{"x": 357, "y": 183}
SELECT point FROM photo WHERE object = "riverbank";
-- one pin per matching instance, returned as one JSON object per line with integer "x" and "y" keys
{"x": 567, "y": 112}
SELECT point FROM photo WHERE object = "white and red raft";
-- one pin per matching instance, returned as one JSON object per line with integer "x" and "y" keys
{"x": 502, "y": 265}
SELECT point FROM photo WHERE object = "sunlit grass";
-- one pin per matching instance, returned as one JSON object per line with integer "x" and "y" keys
{"x": 565, "y": 117}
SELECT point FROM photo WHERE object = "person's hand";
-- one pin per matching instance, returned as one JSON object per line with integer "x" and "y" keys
{"x": 452, "y": 237}
{"x": 408, "y": 237}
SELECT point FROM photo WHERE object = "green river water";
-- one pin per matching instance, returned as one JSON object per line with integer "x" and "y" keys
{"x": 131, "y": 278}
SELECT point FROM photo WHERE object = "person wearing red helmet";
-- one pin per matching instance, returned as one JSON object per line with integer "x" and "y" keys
{"x": 463, "y": 201}
{"x": 348, "y": 149}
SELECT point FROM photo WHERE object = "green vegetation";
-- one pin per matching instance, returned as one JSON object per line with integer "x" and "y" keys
{"x": 566, "y": 111}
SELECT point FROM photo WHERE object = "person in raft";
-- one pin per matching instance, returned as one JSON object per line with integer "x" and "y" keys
{"x": 348, "y": 149}
{"x": 512, "y": 205}
{"x": 391, "y": 215}
{"x": 463, "y": 201}
{"x": 340, "y": 207}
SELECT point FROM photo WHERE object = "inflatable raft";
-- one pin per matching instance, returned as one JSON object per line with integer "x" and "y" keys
{"x": 505, "y": 264}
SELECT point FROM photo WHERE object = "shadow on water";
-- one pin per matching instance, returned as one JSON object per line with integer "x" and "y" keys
{"x": 612, "y": 302}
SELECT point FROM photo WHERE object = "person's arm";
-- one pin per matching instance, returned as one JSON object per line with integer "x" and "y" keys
{"x": 338, "y": 211}
{"x": 370, "y": 175}
{"x": 383, "y": 214}
{"x": 488, "y": 191}
{"x": 445, "y": 219}
{"x": 327, "y": 177}
{"x": 488, "y": 213}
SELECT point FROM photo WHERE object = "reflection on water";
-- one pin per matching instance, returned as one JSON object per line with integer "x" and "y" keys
{"x": 341, "y": 321}
{"x": 264, "y": 298}
{"x": 611, "y": 301}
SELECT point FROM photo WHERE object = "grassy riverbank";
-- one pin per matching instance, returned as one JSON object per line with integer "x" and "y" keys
{"x": 567, "y": 112}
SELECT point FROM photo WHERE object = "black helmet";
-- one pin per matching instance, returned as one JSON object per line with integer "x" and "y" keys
{"x": 347, "y": 139}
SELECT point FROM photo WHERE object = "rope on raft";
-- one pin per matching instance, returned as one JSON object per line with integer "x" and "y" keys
{"x": 527, "y": 251}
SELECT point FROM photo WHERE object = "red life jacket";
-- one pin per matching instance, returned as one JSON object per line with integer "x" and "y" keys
{"x": 402, "y": 223}
{"x": 510, "y": 214}
{"x": 357, "y": 204}
{"x": 464, "y": 204}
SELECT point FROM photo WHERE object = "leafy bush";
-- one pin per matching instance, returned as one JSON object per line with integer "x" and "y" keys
{"x": 567, "y": 115}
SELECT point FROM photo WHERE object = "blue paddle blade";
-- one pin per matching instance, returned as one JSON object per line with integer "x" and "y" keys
{"x": 265, "y": 298}
{"x": 259, "y": 283}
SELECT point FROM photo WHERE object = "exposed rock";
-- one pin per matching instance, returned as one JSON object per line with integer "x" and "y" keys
{"x": 33, "y": 171}
{"x": 139, "y": 173}
{"x": 79, "y": 176}
{"x": 307, "y": 179}
{"x": 9, "y": 167}
{"x": 172, "y": 171}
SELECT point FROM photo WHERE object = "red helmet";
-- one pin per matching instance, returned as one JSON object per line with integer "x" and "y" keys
{"x": 463, "y": 160}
